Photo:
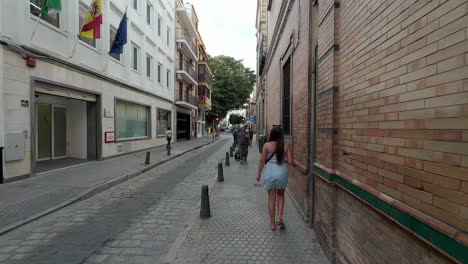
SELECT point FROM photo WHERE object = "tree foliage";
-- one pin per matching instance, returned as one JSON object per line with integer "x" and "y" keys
{"x": 235, "y": 119}
{"x": 232, "y": 84}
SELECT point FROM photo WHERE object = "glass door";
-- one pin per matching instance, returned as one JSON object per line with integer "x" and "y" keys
{"x": 60, "y": 132}
{"x": 44, "y": 131}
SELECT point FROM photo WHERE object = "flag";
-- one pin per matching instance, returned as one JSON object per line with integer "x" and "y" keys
{"x": 120, "y": 37}
{"x": 51, "y": 7}
{"x": 92, "y": 25}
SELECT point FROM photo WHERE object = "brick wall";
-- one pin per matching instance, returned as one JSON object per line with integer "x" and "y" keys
{"x": 364, "y": 236}
{"x": 402, "y": 106}
{"x": 392, "y": 111}
{"x": 292, "y": 35}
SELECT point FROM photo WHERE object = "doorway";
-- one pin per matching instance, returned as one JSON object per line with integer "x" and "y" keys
{"x": 52, "y": 135}
{"x": 183, "y": 126}
{"x": 65, "y": 131}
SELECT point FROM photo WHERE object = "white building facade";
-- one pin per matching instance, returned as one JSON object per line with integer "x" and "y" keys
{"x": 77, "y": 103}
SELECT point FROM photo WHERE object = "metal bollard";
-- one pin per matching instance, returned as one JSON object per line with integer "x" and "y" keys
{"x": 231, "y": 150}
{"x": 147, "y": 160}
{"x": 205, "y": 203}
{"x": 220, "y": 172}
{"x": 227, "y": 159}
{"x": 168, "y": 148}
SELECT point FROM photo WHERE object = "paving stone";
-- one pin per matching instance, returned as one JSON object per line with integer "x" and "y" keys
{"x": 7, "y": 249}
{"x": 98, "y": 258}
{"x": 4, "y": 257}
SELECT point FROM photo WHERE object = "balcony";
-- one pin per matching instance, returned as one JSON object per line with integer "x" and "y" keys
{"x": 204, "y": 102}
{"x": 185, "y": 18}
{"x": 185, "y": 72}
{"x": 204, "y": 80}
{"x": 186, "y": 100}
{"x": 185, "y": 44}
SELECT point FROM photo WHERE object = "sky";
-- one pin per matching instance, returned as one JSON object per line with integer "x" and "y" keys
{"x": 228, "y": 28}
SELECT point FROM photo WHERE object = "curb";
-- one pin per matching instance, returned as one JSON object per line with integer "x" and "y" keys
{"x": 96, "y": 190}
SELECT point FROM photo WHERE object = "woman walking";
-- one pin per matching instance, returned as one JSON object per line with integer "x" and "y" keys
{"x": 273, "y": 172}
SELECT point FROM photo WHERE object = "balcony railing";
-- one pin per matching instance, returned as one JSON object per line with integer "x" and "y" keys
{"x": 206, "y": 78}
{"x": 188, "y": 98}
{"x": 183, "y": 65}
{"x": 182, "y": 33}
{"x": 204, "y": 101}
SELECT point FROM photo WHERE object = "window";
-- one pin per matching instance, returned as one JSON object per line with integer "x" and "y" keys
{"x": 131, "y": 120}
{"x": 168, "y": 36}
{"x": 159, "y": 26}
{"x": 286, "y": 98}
{"x": 148, "y": 65}
{"x": 168, "y": 78}
{"x": 159, "y": 72}
{"x": 112, "y": 32}
{"x": 135, "y": 4}
{"x": 148, "y": 14}
{"x": 163, "y": 122}
{"x": 35, "y": 9}
{"x": 84, "y": 10}
{"x": 135, "y": 54}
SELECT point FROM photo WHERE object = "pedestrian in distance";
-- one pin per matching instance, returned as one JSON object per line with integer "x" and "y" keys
{"x": 251, "y": 133}
{"x": 243, "y": 145}
{"x": 168, "y": 137}
{"x": 273, "y": 173}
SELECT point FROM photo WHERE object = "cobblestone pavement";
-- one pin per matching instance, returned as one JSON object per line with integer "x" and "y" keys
{"x": 23, "y": 199}
{"x": 134, "y": 222}
{"x": 238, "y": 231}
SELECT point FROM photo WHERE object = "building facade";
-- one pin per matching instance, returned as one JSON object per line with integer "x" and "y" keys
{"x": 376, "y": 91}
{"x": 186, "y": 71}
{"x": 65, "y": 98}
{"x": 262, "y": 49}
{"x": 204, "y": 88}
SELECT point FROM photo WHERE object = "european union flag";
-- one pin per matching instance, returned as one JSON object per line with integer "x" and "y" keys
{"x": 120, "y": 37}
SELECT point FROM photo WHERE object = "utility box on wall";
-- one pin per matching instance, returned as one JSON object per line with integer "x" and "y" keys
{"x": 14, "y": 146}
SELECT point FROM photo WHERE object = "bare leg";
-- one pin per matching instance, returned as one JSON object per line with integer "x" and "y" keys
{"x": 280, "y": 195}
{"x": 271, "y": 207}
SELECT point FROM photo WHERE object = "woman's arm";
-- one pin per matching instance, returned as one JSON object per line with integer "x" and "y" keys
{"x": 289, "y": 155}
{"x": 262, "y": 162}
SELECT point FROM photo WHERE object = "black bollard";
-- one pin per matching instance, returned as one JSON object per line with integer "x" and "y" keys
{"x": 205, "y": 203}
{"x": 168, "y": 148}
{"x": 227, "y": 159}
{"x": 231, "y": 152}
{"x": 147, "y": 160}
{"x": 220, "y": 172}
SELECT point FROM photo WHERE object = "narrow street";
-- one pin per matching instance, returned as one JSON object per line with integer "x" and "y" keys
{"x": 134, "y": 222}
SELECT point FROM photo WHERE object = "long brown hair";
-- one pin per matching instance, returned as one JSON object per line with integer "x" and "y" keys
{"x": 276, "y": 134}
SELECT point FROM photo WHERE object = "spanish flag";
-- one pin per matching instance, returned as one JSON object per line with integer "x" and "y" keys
{"x": 92, "y": 25}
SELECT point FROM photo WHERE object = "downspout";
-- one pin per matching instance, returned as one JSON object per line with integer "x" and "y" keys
{"x": 313, "y": 106}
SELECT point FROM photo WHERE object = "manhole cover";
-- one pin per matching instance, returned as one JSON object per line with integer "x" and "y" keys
{"x": 257, "y": 185}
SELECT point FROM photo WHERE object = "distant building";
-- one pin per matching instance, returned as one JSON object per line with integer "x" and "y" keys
{"x": 186, "y": 54}
{"x": 204, "y": 87}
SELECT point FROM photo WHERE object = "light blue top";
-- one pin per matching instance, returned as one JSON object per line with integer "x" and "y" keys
{"x": 274, "y": 176}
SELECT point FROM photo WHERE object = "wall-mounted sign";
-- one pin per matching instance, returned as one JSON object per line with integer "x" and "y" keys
{"x": 108, "y": 113}
{"x": 109, "y": 137}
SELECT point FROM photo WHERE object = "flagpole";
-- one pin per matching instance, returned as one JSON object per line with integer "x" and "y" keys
{"x": 38, "y": 20}
{"x": 81, "y": 27}
{"x": 108, "y": 55}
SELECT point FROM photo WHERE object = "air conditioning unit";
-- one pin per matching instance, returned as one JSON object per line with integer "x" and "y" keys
{"x": 179, "y": 45}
